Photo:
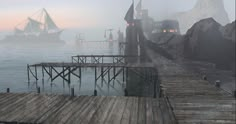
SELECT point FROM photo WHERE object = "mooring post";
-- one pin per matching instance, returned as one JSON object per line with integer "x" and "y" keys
{"x": 126, "y": 92}
{"x": 95, "y": 92}
{"x": 38, "y": 90}
{"x": 204, "y": 77}
{"x": 8, "y": 90}
{"x": 72, "y": 92}
{"x": 217, "y": 83}
{"x": 28, "y": 73}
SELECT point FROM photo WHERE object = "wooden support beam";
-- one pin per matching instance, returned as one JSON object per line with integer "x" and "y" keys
{"x": 69, "y": 76}
{"x": 61, "y": 74}
{"x": 32, "y": 73}
{"x": 28, "y": 73}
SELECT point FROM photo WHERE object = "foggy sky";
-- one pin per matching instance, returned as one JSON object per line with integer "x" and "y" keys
{"x": 91, "y": 14}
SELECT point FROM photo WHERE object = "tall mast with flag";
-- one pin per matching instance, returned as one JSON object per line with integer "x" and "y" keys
{"x": 129, "y": 17}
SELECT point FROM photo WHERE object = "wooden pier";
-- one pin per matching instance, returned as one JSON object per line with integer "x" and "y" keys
{"x": 30, "y": 108}
{"x": 103, "y": 71}
{"x": 193, "y": 99}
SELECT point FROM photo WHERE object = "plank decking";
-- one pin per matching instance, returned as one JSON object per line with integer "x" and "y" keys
{"x": 194, "y": 100}
{"x": 33, "y": 108}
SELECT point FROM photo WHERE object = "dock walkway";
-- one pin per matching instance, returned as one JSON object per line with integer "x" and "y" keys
{"x": 193, "y": 100}
{"x": 31, "y": 108}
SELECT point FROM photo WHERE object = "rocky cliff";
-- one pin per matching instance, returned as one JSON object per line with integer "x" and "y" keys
{"x": 205, "y": 41}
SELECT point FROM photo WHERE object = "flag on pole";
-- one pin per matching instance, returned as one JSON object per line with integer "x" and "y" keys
{"x": 129, "y": 17}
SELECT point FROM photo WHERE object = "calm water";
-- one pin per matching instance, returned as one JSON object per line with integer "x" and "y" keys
{"x": 14, "y": 58}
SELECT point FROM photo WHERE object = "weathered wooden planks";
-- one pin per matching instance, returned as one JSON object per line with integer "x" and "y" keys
{"x": 59, "y": 109}
{"x": 194, "y": 100}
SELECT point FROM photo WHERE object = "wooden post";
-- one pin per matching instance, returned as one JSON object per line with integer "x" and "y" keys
{"x": 95, "y": 92}
{"x": 72, "y": 92}
{"x": 50, "y": 72}
{"x": 109, "y": 74}
{"x": 217, "y": 83}
{"x": 95, "y": 74}
{"x": 127, "y": 75}
{"x": 69, "y": 75}
{"x": 126, "y": 92}
{"x": 43, "y": 71}
{"x": 102, "y": 73}
{"x": 28, "y": 73}
{"x": 80, "y": 74}
{"x": 8, "y": 90}
{"x": 38, "y": 90}
{"x": 63, "y": 74}
{"x": 114, "y": 73}
{"x": 36, "y": 75}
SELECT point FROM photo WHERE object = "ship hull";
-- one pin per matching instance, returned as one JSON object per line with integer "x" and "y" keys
{"x": 43, "y": 38}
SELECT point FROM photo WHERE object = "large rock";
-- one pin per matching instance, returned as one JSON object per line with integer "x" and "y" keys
{"x": 228, "y": 31}
{"x": 203, "y": 9}
{"x": 205, "y": 41}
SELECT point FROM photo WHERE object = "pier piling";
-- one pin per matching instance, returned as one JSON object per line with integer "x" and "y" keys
{"x": 8, "y": 90}
{"x": 38, "y": 90}
{"x": 72, "y": 92}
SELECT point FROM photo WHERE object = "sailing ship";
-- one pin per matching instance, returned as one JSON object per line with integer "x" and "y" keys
{"x": 41, "y": 29}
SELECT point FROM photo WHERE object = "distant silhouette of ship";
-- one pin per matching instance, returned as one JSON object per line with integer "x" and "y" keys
{"x": 41, "y": 29}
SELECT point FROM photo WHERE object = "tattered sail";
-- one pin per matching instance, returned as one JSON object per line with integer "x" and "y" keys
{"x": 32, "y": 26}
{"x": 49, "y": 24}
{"x": 129, "y": 17}
{"x": 18, "y": 31}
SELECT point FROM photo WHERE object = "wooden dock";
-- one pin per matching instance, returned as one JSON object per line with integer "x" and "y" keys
{"x": 193, "y": 99}
{"x": 104, "y": 71}
{"x": 30, "y": 108}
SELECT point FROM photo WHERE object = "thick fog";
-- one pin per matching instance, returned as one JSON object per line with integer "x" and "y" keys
{"x": 91, "y": 17}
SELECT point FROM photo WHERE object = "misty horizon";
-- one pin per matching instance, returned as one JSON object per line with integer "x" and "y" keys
{"x": 91, "y": 19}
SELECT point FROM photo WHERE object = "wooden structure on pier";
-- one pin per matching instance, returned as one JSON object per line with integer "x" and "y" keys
{"x": 115, "y": 59}
{"x": 30, "y": 108}
{"x": 103, "y": 71}
{"x": 68, "y": 69}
